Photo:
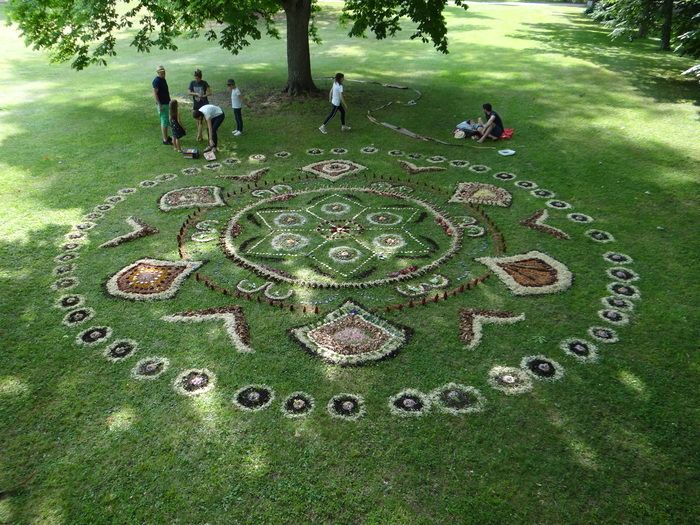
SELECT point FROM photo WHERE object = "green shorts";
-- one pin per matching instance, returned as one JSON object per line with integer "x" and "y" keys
{"x": 164, "y": 115}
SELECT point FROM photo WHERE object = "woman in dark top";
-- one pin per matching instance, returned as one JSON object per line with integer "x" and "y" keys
{"x": 493, "y": 128}
{"x": 200, "y": 91}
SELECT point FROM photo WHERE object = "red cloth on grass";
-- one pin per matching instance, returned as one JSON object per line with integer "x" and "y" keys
{"x": 507, "y": 134}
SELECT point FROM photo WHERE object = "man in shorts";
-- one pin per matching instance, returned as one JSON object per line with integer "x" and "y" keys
{"x": 162, "y": 96}
{"x": 200, "y": 91}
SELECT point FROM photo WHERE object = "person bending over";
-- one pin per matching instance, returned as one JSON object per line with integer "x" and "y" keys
{"x": 493, "y": 127}
{"x": 337, "y": 104}
{"x": 214, "y": 116}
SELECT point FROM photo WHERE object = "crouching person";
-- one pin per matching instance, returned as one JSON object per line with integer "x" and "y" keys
{"x": 214, "y": 116}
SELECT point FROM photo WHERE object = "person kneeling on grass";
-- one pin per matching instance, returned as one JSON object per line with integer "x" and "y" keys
{"x": 337, "y": 104}
{"x": 493, "y": 128}
{"x": 175, "y": 125}
{"x": 214, "y": 116}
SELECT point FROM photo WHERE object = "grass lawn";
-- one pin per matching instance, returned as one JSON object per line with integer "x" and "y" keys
{"x": 609, "y": 127}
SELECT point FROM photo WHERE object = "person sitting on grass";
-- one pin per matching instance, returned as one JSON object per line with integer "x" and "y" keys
{"x": 493, "y": 128}
{"x": 236, "y": 105}
{"x": 337, "y": 101}
{"x": 176, "y": 126}
{"x": 214, "y": 116}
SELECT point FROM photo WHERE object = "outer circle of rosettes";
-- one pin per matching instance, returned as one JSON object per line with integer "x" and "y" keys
{"x": 504, "y": 175}
{"x": 194, "y": 382}
{"x": 542, "y": 367}
{"x": 603, "y": 334}
{"x": 121, "y": 349}
{"x": 65, "y": 283}
{"x": 457, "y": 163}
{"x": 558, "y": 205}
{"x": 600, "y": 236}
{"x": 435, "y": 159}
{"x": 617, "y": 258}
{"x": 252, "y": 398}
{"x": 350, "y": 407}
{"x": 339, "y": 151}
{"x": 617, "y": 303}
{"x": 369, "y": 150}
{"x": 78, "y": 316}
{"x": 623, "y": 274}
{"x": 479, "y": 168}
{"x": 150, "y": 368}
{"x": 526, "y": 184}
{"x": 65, "y": 257}
{"x": 580, "y": 217}
{"x": 409, "y": 403}
{"x": 314, "y": 151}
{"x": 282, "y": 154}
{"x": 165, "y": 177}
{"x": 70, "y": 301}
{"x": 624, "y": 290}
{"x": 396, "y": 153}
{"x": 456, "y": 399}
{"x": 94, "y": 335}
{"x": 580, "y": 349}
{"x": 297, "y": 405}
{"x": 614, "y": 317}
{"x": 64, "y": 269}
{"x": 510, "y": 380}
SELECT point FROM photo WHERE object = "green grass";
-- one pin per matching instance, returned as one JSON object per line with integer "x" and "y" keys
{"x": 610, "y": 127}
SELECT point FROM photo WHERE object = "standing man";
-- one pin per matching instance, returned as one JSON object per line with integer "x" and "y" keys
{"x": 236, "y": 105}
{"x": 200, "y": 91}
{"x": 162, "y": 96}
{"x": 493, "y": 128}
{"x": 214, "y": 116}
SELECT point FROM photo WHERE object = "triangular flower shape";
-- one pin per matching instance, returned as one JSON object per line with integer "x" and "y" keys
{"x": 334, "y": 169}
{"x": 351, "y": 335}
{"x": 531, "y": 273}
{"x": 150, "y": 279}
{"x": 481, "y": 193}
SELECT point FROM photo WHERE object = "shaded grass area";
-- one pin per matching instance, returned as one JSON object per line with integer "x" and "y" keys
{"x": 611, "y": 443}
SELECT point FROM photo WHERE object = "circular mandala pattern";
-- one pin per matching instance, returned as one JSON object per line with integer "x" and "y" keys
{"x": 459, "y": 163}
{"x": 70, "y": 301}
{"x": 231, "y": 162}
{"x": 165, "y": 177}
{"x": 336, "y": 208}
{"x": 120, "y": 350}
{"x": 212, "y": 166}
{"x": 94, "y": 335}
{"x": 457, "y": 399}
{"x": 127, "y": 191}
{"x": 474, "y": 231}
{"x": 541, "y": 367}
{"x": 150, "y": 368}
{"x": 618, "y": 303}
{"x": 64, "y": 269}
{"x": 504, "y": 175}
{"x": 205, "y": 236}
{"x": 557, "y": 204}
{"x": 580, "y": 217}
{"x": 289, "y": 219}
{"x": 149, "y": 183}
{"x": 114, "y": 199}
{"x": 617, "y": 258}
{"x": 291, "y": 242}
{"x": 192, "y": 170}
{"x": 409, "y": 403}
{"x": 65, "y": 283}
{"x": 369, "y": 150}
{"x": 526, "y": 184}
{"x": 509, "y": 380}
{"x": 78, "y": 316}
{"x": 382, "y": 218}
{"x": 93, "y": 216}
{"x": 580, "y": 349}
{"x": 396, "y": 153}
{"x": 624, "y": 290}
{"x": 314, "y": 151}
{"x": 542, "y": 193}
{"x": 389, "y": 242}
{"x": 614, "y": 317}
{"x": 344, "y": 254}
{"x": 74, "y": 236}
{"x": 339, "y": 151}
{"x": 600, "y": 236}
{"x": 623, "y": 274}
{"x": 206, "y": 226}
{"x": 436, "y": 159}
{"x": 297, "y": 405}
{"x": 102, "y": 208}
{"x": 257, "y": 158}
{"x": 71, "y": 246}
{"x": 283, "y": 154}
{"x": 479, "y": 168}
{"x": 65, "y": 257}
{"x": 602, "y": 334}
{"x": 350, "y": 407}
{"x": 252, "y": 398}
{"x": 194, "y": 382}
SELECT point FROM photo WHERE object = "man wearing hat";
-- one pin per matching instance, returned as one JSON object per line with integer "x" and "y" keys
{"x": 162, "y": 96}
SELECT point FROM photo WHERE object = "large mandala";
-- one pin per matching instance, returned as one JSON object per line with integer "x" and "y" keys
{"x": 355, "y": 265}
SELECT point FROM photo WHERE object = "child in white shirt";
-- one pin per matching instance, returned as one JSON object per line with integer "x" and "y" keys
{"x": 337, "y": 104}
{"x": 236, "y": 105}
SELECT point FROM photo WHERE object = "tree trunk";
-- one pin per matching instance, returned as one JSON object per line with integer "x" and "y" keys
{"x": 645, "y": 19}
{"x": 667, "y": 12}
{"x": 299, "y": 79}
